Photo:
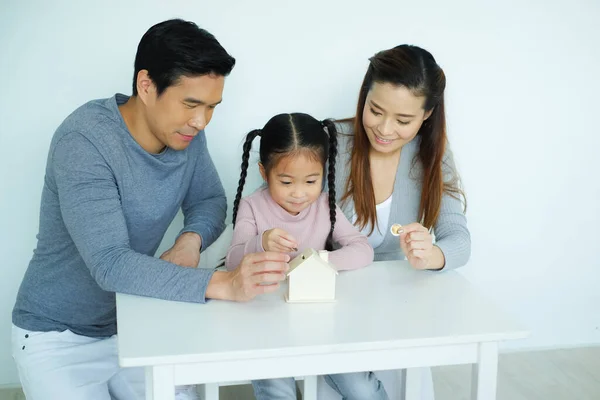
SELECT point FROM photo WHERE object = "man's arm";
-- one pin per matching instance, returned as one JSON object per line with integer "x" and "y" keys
{"x": 205, "y": 205}
{"x": 91, "y": 209}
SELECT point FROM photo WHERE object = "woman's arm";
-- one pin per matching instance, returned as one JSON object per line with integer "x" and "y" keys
{"x": 452, "y": 236}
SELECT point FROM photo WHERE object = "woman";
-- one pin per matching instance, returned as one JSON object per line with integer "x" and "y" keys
{"x": 394, "y": 167}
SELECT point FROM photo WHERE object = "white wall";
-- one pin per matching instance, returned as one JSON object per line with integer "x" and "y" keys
{"x": 523, "y": 89}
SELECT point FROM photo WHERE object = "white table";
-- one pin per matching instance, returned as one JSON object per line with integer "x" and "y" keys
{"x": 387, "y": 316}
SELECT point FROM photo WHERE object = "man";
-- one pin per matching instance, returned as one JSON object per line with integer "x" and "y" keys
{"x": 117, "y": 173}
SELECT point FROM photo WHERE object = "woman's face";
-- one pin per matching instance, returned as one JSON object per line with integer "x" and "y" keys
{"x": 392, "y": 116}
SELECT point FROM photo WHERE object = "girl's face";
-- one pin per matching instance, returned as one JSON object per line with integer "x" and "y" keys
{"x": 392, "y": 117}
{"x": 295, "y": 182}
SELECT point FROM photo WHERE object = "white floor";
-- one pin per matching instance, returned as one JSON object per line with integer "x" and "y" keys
{"x": 572, "y": 374}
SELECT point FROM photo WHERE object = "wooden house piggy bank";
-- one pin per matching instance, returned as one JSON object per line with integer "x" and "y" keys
{"x": 311, "y": 279}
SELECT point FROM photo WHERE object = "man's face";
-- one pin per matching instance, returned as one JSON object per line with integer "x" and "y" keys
{"x": 176, "y": 116}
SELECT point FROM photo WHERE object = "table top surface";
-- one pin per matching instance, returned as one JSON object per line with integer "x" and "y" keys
{"x": 385, "y": 305}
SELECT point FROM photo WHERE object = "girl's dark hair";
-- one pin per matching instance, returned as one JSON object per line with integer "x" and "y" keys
{"x": 413, "y": 68}
{"x": 289, "y": 134}
{"x": 175, "y": 48}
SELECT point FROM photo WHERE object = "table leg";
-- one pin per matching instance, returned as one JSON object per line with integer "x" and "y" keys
{"x": 310, "y": 388}
{"x": 160, "y": 383}
{"x": 485, "y": 373}
{"x": 411, "y": 379}
{"x": 209, "y": 391}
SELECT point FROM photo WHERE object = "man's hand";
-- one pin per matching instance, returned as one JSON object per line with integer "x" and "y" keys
{"x": 185, "y": 251}
{"x": 258, "y": 273}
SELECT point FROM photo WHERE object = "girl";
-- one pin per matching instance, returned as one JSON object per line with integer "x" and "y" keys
{"x": 291, "y": 213}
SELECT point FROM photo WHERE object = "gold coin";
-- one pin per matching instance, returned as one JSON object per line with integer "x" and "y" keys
{"x": 396, "y": 229}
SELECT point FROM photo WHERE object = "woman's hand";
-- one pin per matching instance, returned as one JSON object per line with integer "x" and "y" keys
{"x": 417, "y": 244}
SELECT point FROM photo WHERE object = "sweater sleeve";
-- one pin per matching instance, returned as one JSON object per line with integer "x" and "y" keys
{"x": 355, "y": 251}
{"x": 246, "y": 238}
{"x": 451, "y": 233}
{"x": 90, "y": 204}
{"x": 205, "y": 206}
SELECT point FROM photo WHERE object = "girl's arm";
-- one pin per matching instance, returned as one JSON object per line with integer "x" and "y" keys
{"x": 246, "y": 238}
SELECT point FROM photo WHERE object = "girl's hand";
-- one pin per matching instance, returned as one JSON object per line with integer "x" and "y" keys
{"x": 417, "y": 244}
{"x": 279, "y": 240}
